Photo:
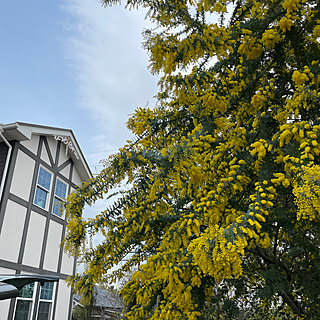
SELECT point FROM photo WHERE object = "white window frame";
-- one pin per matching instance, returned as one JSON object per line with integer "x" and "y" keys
{"x": 48, "y": 301}
{"x": 55, "y": 196}
{"x": 32, "y": 300}
{"x": 35, "y": 309}
{"x": 48, "y": 191}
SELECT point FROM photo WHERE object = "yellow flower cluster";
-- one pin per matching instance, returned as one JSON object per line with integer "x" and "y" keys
{"x": 260, "y": 148}
{"x": 299, "y": 78}
{"x": 270, "y": 38}
{"x": 291, "y": 5}
{"x": 224, "y": 261}
{"x": 307, "y": 193}
{"x": 250, "y": 47}
{"x": 285, "y": 24}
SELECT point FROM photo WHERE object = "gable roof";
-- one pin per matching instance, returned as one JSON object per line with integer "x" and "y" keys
{"x": 22, "y": 131}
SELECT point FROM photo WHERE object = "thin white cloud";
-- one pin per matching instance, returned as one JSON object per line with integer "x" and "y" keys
{"x": 109, "y": 66}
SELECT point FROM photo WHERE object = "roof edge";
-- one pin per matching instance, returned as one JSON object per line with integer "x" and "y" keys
{"x": 22, "y": 131}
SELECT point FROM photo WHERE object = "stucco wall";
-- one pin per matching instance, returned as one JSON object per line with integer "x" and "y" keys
{"x": 22, "y": 176}
{"x": 12, "y": 229}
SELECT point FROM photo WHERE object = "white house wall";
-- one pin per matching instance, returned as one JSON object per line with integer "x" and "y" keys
{"x": 63, "y": 301}
{"x": 53, "y": 246}
{"x": 52, "y": 145}
{"x": 32, "y": 144}
{"x": 5, "y": 304}
{"x": 45, "y": 156}
{"x": 34, "y": 240}
{"x": 67, "y": 264}
{"x": 76, "y": 179}
{"x": 22, "y": 176}
{"x": 12, "y": 230}
{"x": 63, "y": 157}
{"x": 65, "y": 171}
{"x": 30, "y": 236}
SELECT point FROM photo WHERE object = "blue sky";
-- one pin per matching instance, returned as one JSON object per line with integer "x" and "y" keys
{"x": 74, "y": 64}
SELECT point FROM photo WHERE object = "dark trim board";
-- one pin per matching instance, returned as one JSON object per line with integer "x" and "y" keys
{"x": 4, "y": 149}
{"x": 36, "y": 209}
{"x": 31, "y": 197}
{"x": 19, "y": 268}
{"x": 54, "y": 169}
{"x": 8, "y": 182}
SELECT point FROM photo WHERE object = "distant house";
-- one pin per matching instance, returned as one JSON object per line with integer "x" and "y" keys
{"x": 39, "y": 167}
{"x": 107, "y": 304}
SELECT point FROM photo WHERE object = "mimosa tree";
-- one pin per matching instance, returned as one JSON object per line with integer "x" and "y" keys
{"x": 223, "y": 207}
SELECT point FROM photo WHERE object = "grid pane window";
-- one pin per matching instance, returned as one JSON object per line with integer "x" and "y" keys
{"x": 61, "y": 189}
{"x": 57, "y": 207}
{"x": 46, "y": 291}
{"x": 26, "y": 309}
{"x": 41, "y": 198}
{"x": 44, "y": 310}
{"x": 24, "y": 303}
{"x": 45, "y": 303}
{"x": 27, "y": 291}
{"x": 44, "y": 179}
{"x": 59, "y": 194}
{"x": 23, "y": 310}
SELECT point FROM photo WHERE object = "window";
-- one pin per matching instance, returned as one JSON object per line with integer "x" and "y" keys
{"x": 45, "y": 302}
{"x": 25, "y": 309}
{"x": 44, "y": 190}
{"x": 25, "y": 303}
{"x": 41, "y": 198}
{"x": 59, "y": 195}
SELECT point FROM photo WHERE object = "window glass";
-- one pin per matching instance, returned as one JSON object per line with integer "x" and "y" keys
{"x": 46, "y": 291}
{"x": 25, "y": 303}
{"x": 23, "y": 310}
{"x": 59, "y": 194}
{"x": 44, "y": 178}
{"x": 61, "y": 189}
{"x": 44, "y": 310}
{"x": 40, "y": 198}
{"x": 27, "y": 291}
{"x": 57, "y": 207}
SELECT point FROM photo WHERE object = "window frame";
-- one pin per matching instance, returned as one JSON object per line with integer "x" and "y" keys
{"x": 58, "y": 198}
{"x": 35, "y": 308}
{"x": 46, "y": 300}
{"x": 32, "y": 300}
{"x": 48, "y": 191}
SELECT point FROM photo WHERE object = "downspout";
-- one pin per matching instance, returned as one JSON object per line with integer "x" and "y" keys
{"x": 6, "y": 166}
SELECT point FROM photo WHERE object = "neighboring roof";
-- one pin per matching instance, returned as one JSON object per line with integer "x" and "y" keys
{"x": 22, "y": 131}
{"x": 107, "y": 298}
{"x": 104, "y": 298}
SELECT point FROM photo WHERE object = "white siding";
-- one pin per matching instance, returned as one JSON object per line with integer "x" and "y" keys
{"x": 75, "y": 178}
{"x": 12, "y": 230}
{"x": 52, "y": 146}
{"x": 34, "y": 240}
{"x": 44, "y": 155}
{"x": 32, "y": 144}
{"x": 63, "y": 299}
{"x": 4, "y": 304}
{"x": 63, "y": 157}
{"x": 22, "y": 176}
{"x": 67, "y": 264}
{"x": 53, "y": 246}
{"x": 65, "y": 172}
